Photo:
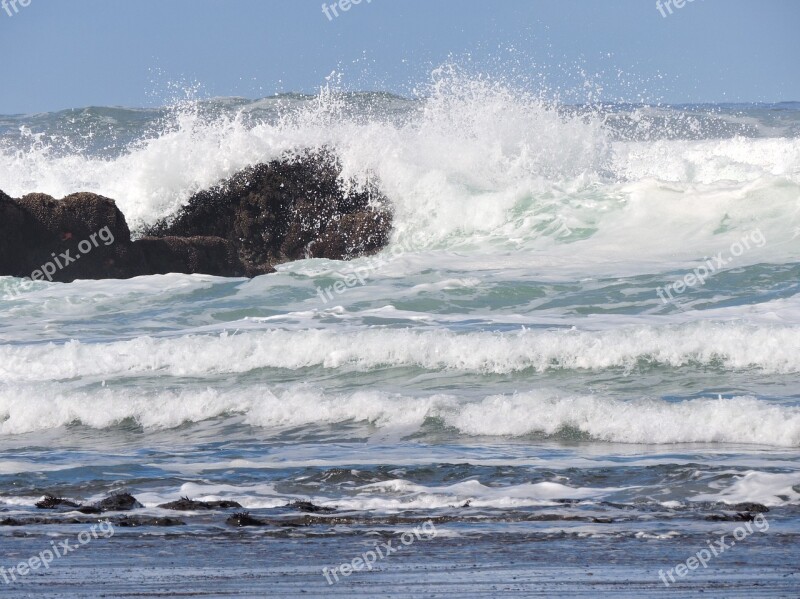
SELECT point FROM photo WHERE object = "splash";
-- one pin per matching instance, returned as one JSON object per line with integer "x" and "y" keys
{"x": 471, "y": 161}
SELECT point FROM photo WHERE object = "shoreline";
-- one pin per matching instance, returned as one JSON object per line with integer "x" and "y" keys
{"x": 459, "y": 562}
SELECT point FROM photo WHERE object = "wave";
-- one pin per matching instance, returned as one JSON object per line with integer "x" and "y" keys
{"x": 389, "y": 496}
{"x": 471, "y": 159}
{"x": 542, "y": 413}
{"x": 771, "y": 349}
{"x": 765, "y": 488}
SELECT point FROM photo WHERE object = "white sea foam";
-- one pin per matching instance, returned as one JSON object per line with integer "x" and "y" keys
{"x": 767, "y": 488}
{"x": 726, "y": 345}
{"x": 389, "y": 496}
{"x": 402, "y": 494}
{"x": 474, "y": 163}
{"x": 399, "y": 494}
{"x": 737, "y": 420}
{"x": 734, "y": 420}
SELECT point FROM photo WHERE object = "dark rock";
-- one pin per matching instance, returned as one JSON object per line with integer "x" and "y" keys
{"x": 76, "y": 217}
{"x": 286, "y": 210}
{"x": 11, "y": 522}
{"x": 190, "y": 255}
{"x": 136, "y": 521}
{"x": 50, "y": 502}
{"x": 737, "y": 517}
{"x": 90, "y": 509}
{"x": 223, "y": 505}
{"x": 119, "y": 502}
{"x": 241, "y": 519}
{"x": 44, "y": 521}
{"x": 309, "y": 508}
{"x": 350, "y": 235}
{"x": 13, "y": 242}
{"x": 82, "y": 236}
{"x": 85, "y": 236}
{"x": 755, "y": 508}
{"x": 263, "y": 216}
{"x": 184, "y": 504}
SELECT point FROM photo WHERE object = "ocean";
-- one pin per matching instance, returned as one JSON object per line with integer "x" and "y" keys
{"x": 574, "y": 370}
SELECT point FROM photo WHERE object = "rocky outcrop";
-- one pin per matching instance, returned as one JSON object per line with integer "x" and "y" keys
{"x": 82, "y": 236}
{"x": 286, "y": 210}
{"x": 85, "y": 236}
{"x": 309, "y": 508}
{"x": 263, "y": 216}
{"x": 184, "y": 504}
{"x": 117, "y": 502}
{"x": 206, "y": 255}
{"x": 51, "y": 502}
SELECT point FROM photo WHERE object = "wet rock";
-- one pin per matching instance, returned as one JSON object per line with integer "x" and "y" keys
{"x": 75, "y": 217}
{"x": 50, "y": 502}
{"x": 264, "y": 215}
{"x": 11, "y": 522}
{"x": 184, "y": 504}
{"x": 553, "y": 518}
{"x": 350, "y": 235}
{"x": 136, "y": 521}
{"x": 89, "y": 509}
{"x": 190, "y": 255}
{"x": 242, "y": 519}
{"x": 13, "y": 222}
{"x": 286, "y": 210}
{"x": 309, "y": 508}
{"x": 737, "y": 517}
{"x": 44, "y": 521}
{"x": 118, "y": 502}
{"x": 123, "y": 521}
{"x": 82, "y": 236}
{"x": 755, "y": 508}
{"x": 569, "y": 502}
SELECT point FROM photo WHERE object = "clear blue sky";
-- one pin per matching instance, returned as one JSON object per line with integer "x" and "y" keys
{"x": 58, "y": 54}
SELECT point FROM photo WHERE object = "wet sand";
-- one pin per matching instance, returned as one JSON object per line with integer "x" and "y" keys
{"x": 530, "y": 560}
